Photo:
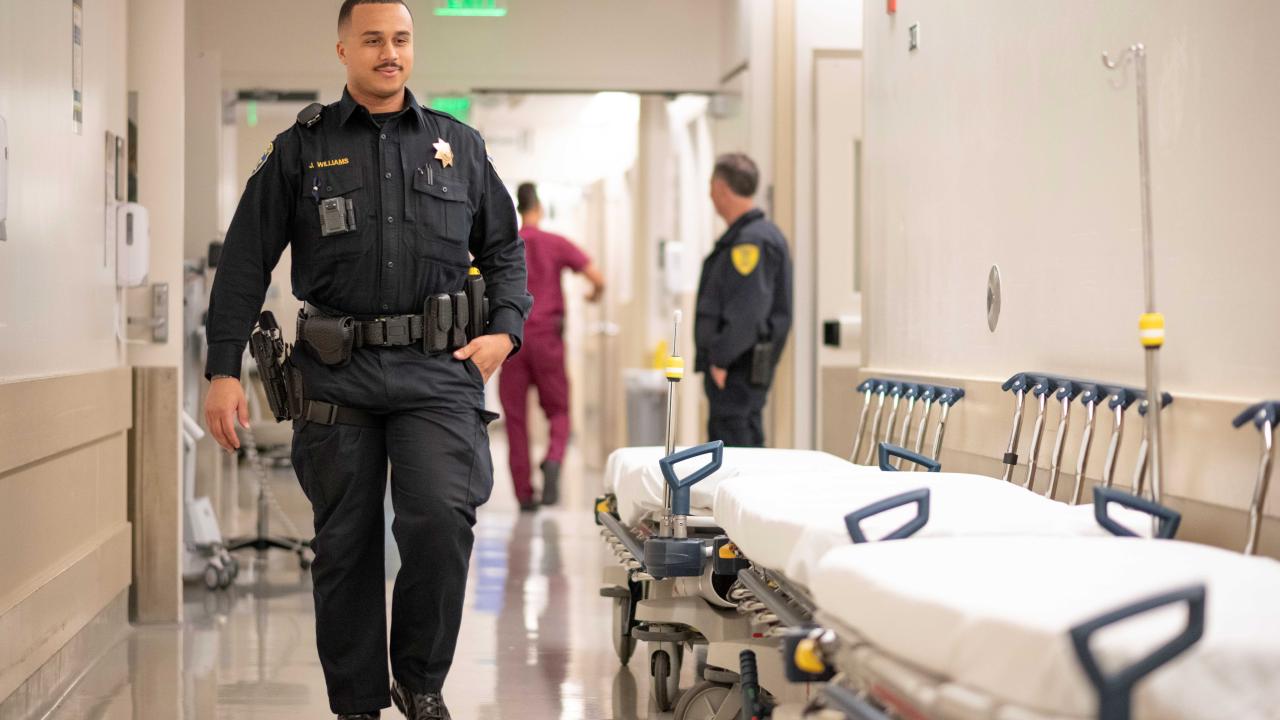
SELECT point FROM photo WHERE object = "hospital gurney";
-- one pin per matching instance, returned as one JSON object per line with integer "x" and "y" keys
{"x": 1027, "y": 644}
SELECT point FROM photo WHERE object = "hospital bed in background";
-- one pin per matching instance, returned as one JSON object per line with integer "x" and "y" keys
{"x": 1044, "y": 627}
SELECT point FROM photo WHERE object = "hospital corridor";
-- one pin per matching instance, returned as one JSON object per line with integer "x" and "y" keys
{"x": 658, "y": 360}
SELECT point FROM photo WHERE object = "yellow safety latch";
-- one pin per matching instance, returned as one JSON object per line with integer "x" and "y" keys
{"x": 473, "y": 271}
{"x": 1151, "y": 330}
{"x": 675, "y": 368}
{"x": 728, "y": 552}
{"x": 808, "y": 658}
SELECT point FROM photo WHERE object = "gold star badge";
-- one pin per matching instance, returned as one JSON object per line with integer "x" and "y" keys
{"x": 444, "y": 153}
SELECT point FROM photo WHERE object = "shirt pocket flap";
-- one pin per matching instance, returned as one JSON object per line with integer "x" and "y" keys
{"x": 450, "y": 190}
{"x": 336, "y": 181}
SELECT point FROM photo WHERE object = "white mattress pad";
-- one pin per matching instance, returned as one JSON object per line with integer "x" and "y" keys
{"x": 993, "y": 614}
{"x": 789, "y": 523}
{"x": 633, "y": 476}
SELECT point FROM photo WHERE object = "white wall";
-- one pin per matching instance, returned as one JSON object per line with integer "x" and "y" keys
{"x": 1004, "y": 141}
{"x": 822, "y": 26}
{"x": 655, "y": 45}
{"x": 57, "y": 282}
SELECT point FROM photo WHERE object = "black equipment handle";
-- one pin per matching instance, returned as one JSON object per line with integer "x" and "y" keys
{"x": 1115, "y": 690}
{"x": 1104, "y": 496}
{"x": 853, "y": 521}
{"x": 680, "y": 485}
{"x": 750, "y": 681}
{"x": 889, "y": 449}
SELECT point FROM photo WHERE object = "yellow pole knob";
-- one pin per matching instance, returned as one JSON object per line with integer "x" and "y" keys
{"x": 675, "y": 368}
{"x": 1151, "y": 330}
{"x": 808, "y": 657}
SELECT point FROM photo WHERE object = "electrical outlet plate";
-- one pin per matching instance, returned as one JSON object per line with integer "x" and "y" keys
{"x": 993, "y": 298}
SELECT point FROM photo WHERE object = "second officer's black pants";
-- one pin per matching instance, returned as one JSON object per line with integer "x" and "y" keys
{"x": 735, "y": 413}
{"x": 435, "y": 437}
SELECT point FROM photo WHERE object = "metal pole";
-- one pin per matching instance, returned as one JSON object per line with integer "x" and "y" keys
{"x": 1033, "y": 456}
{"x": 1113, "y": 449}
{"x": 1151, "y": 324}
{"x": 906, "y": 428}
{"x": 675, "y": 372}
{"x": 1260, "y": 489}
{"x": 924, "y": 422}
{"x": 1086, "y": 441}
{"x": 942, "y": 429}
{"x": 1059, "y": 446}
{"x": 1011, "y": 453}
{"x": 875, "y": 424}
{"x": 862, "y": 423}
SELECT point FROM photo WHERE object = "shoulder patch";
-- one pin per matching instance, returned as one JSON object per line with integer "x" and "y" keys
{"x": 745, "y": 258}
{"x": 263, "y": 160}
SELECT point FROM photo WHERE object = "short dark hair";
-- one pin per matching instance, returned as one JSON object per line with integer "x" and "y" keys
{"x": 739, "y": 172}
{"x": 527, "y": 197}
{"x": 344, "y": 15}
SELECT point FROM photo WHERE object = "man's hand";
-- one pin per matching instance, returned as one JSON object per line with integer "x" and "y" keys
{"x": 719, "y": 376}
{"x": 224, "y": 404}
{"x": 488, "y": 353}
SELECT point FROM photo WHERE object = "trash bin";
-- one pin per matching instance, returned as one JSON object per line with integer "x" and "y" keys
{"x": 646, "y": 406}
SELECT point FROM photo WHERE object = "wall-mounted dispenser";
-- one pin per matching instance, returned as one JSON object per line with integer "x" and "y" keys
{"x": 133, "y": 245}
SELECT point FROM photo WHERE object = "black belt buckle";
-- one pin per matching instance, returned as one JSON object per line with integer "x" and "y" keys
{"x": 437, "y": 321}
{"x": 396, "y": 331}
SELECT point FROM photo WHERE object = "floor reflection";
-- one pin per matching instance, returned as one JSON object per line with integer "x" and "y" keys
{"x": 534, "y": 641}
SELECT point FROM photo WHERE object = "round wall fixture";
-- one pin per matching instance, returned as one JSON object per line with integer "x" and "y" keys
{"x": 993, "y": 298}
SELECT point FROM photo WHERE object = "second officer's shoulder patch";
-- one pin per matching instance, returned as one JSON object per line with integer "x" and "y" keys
{"x": 263, "y": 160}
{"x": 745, "y": 258}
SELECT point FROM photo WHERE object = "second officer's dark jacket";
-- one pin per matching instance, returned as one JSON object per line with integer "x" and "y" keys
{"x": 744, "y": 295}
{"x": 419, "y": 224}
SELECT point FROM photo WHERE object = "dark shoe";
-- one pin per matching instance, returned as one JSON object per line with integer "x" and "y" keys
{"x": 419, "y": 706}
{"x": 528, "y": 506}
{"x": 550, "y": 482}
{"x": 361, "y": 716}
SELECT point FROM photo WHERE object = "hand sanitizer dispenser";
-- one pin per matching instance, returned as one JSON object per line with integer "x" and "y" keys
{"x": 133, "y": 245}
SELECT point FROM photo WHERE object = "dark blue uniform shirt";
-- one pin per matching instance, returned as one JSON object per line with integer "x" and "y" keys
{"x": 419, "y": 224}
{"x": 744, "y": 295}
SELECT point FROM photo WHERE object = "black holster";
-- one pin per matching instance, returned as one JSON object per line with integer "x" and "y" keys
{"x": 330, "y": 340}
{"x": 272, "y": 358}
{"x": 761, "y": 364}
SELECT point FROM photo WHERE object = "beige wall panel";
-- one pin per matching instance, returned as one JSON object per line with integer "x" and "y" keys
{"x": 55, "y": 511}
{"x": 40, "y": 418}
{"x": 839, "y": 406}
{"x": 155, "y": 498}
{"x": 36, "y": 628}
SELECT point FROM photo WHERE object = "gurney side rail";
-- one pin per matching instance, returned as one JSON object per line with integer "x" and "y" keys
{"x": 848, "y": 702}
{"x": 1115, "y": 690}
{"x": 1103, "y": 497}
{"x": 789, "y": 614}
{"x": 619, "y": 531}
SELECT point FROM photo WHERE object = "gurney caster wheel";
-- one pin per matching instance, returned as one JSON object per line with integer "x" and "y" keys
{"x": 664, "y": 672}
{"x": 708, "y": 701}
{"x": 623, "y": 643}
{"x": 211, "y": 579}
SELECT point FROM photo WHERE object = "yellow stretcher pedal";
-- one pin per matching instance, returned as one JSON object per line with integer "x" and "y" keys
{"x": 728, "y": 551}
{"x": 808, "y": 658}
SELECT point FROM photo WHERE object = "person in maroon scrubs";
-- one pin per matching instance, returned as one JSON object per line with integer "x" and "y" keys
{"x": 540, "y": 363}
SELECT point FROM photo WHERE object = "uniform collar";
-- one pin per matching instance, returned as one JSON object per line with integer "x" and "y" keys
{"x": 747, "y": 218}
{"x": 347, "y": 107}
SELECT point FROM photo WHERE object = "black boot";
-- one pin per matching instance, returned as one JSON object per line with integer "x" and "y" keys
{"x": 419, "y": 706}
{"x": 550, "y": 482}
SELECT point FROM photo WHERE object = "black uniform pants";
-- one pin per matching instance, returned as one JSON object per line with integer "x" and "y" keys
{"x": 735, "y": 411}
{"x": 436, "y": 439}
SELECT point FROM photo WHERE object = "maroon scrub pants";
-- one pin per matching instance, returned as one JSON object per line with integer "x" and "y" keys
{"x": 539, "y": 363}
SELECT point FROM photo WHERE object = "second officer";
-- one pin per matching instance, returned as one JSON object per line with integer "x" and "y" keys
{"x": 386, "y": 205}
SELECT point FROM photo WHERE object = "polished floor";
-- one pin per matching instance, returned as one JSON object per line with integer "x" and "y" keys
{"x": 534, "y": 642}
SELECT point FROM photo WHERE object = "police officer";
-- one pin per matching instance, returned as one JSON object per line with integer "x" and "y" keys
{"x": 542, "y": 363}
{"x": 386, "y": 205}
{"x": 744, "y": 307}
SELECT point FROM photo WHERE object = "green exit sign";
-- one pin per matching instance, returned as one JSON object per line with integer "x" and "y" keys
{"x": 458, "y": 106}
{"x": 471, "y": 8}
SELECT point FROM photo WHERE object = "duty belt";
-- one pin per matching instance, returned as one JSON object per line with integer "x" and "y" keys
{"x": 393, "y": 331}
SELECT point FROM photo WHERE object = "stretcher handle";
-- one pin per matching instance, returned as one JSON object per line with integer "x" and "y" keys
{"x": 1017, "y": 383}
{"x": 680, "y": 485}
{"x": 889, "y": 449}
{"x": 928, "y": 393}
{"x": 1119, "y": 396}
{"x": 848, "y": 702}
{"x": 1260, "y": 413}
{"x": 1092, "y": 394}
{"x": 920, "y": 497}
{"x": 1165, "y": 400}
{"x": 910, "y": 391}
{"x": 1041, "y": 385}
{"x": 868, "y": 384}
{"x": 1066, "y": 389}
{"x": 949, "y": 395}
{"x": 895, "y": 389}
{"x": 1115, "y": 689}
{"x": 1104, "y": 496}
